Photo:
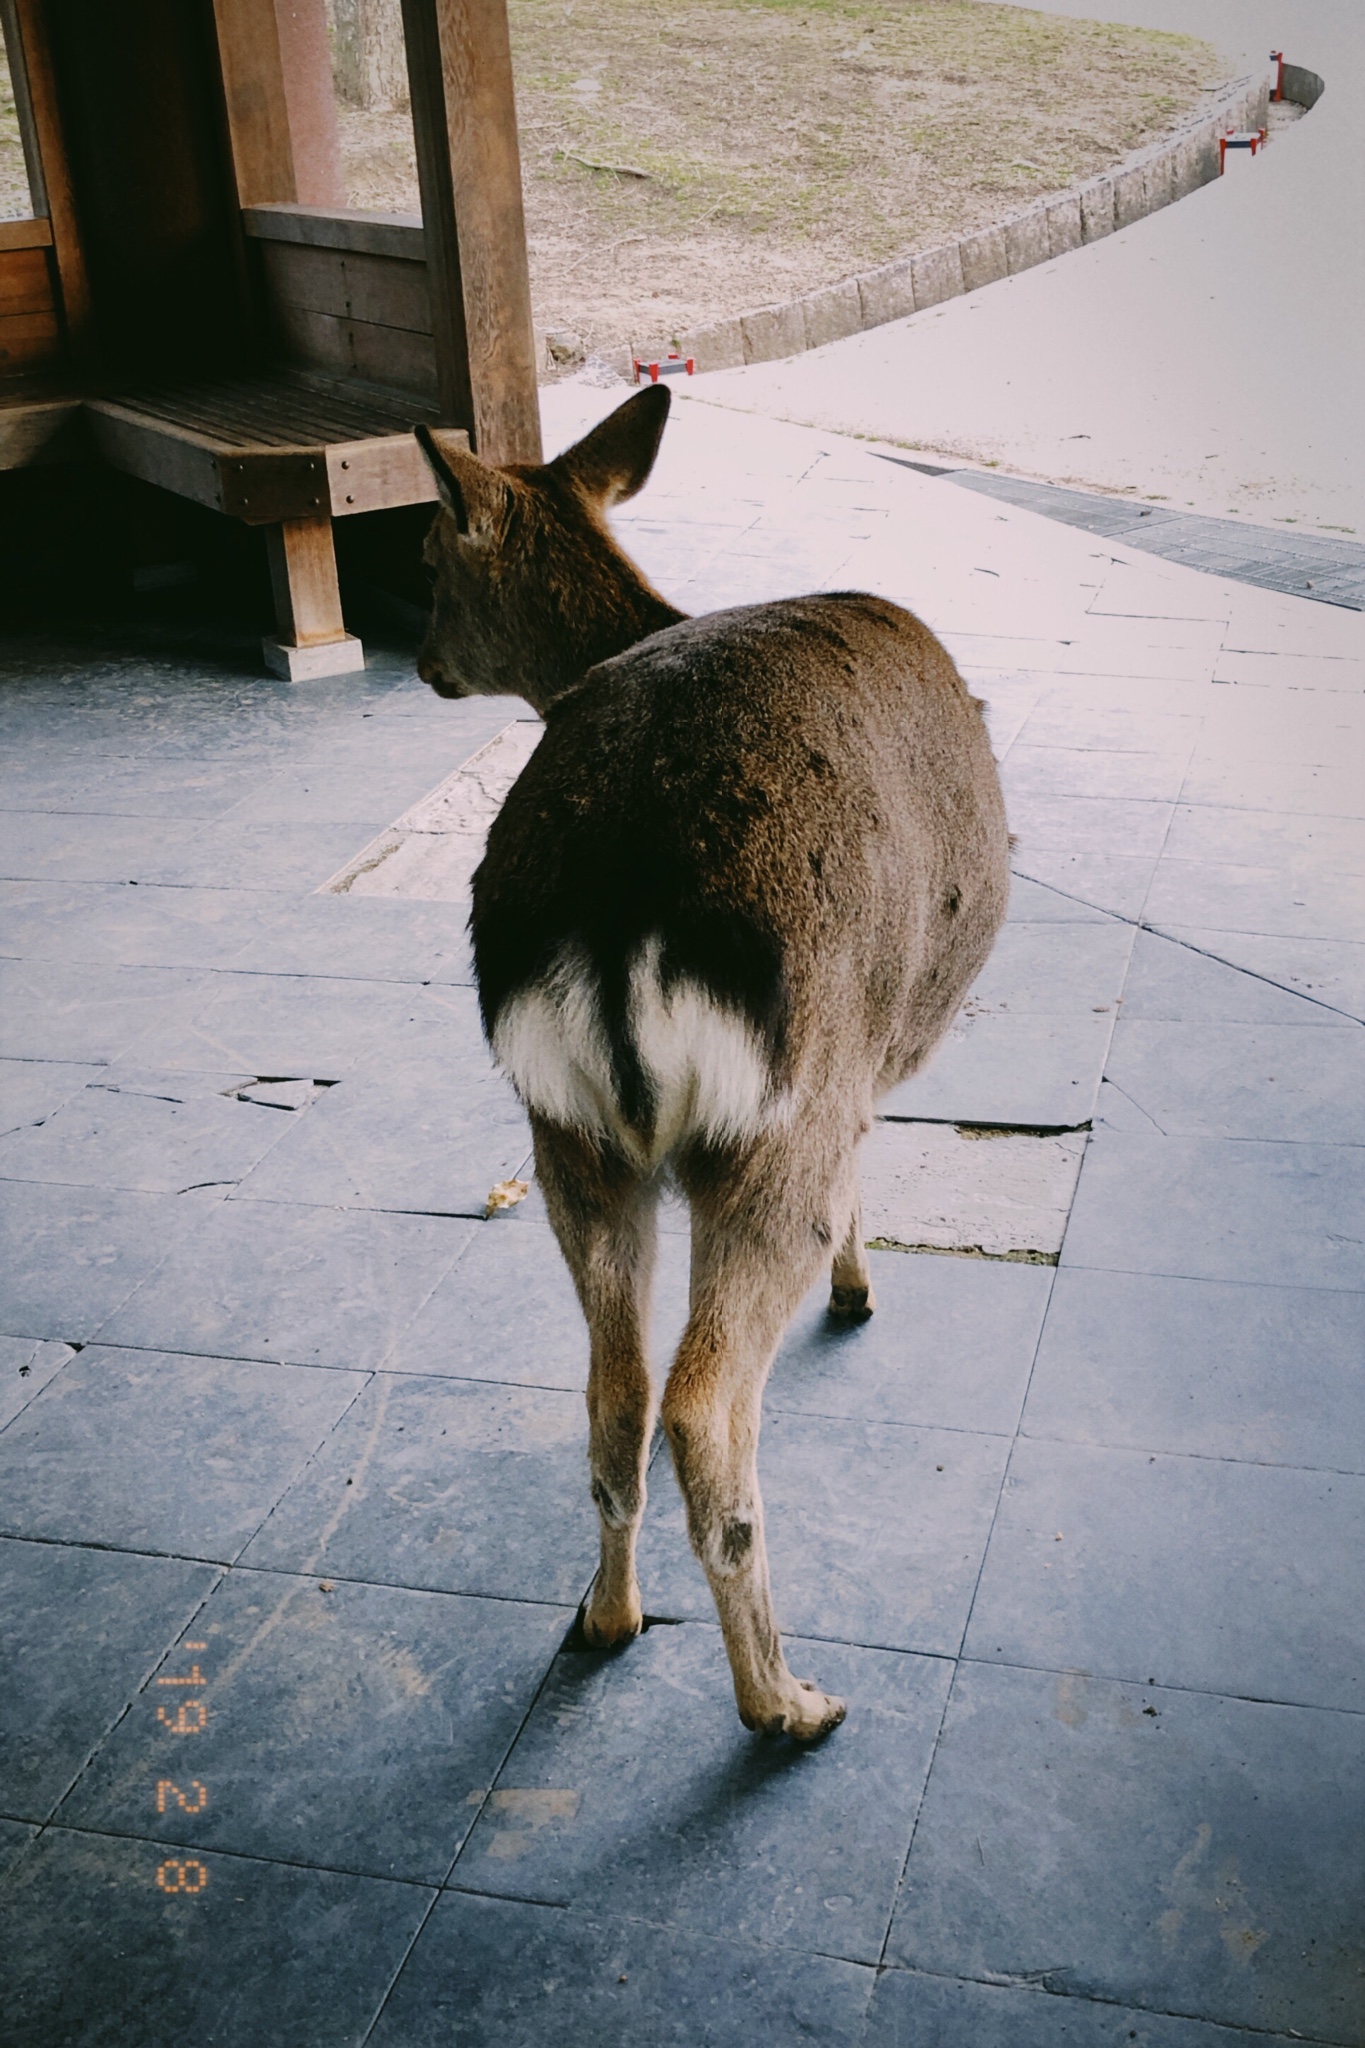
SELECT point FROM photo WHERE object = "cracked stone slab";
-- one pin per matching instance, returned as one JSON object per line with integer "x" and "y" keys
{"x": 431, "y": 852}
{"x": 161, "y": 1133}
{"x": 26, "y": 1366}
{"x": 1000, "y": 1195}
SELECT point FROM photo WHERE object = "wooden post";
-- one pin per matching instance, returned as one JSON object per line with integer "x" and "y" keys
{"x": 45, "y": 141}
{"x": 469, "y": 169}
{"x": 277, "y": 80}
{"x": 313, "y": 640}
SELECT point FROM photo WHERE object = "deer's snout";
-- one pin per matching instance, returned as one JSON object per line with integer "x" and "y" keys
{"x": 431, "y": 672}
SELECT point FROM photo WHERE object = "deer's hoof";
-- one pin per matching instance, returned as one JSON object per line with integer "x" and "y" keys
{"x": 605, "y": 1624}
{"x": 806, "y": 1714}
{"x": 851, "y": 1304}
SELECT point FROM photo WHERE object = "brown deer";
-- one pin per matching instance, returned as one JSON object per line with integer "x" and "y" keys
{"x": 738, "y": 892}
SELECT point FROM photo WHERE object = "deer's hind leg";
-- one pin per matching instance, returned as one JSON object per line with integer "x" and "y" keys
{"x": 850, "y": 1295}
{"x": 604, "y": 1215}
{"x": 754, "y": 1253}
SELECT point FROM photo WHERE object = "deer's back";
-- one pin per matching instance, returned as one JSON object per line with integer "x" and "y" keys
{"x": 792, "y": 806}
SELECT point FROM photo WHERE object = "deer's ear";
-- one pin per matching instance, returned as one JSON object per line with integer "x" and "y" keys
{"x": 614, "y": 460}
{"x": 474, "y": 495}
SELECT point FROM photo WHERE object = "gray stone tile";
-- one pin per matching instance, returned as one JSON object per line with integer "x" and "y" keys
{"x": 1269, "y": 1374}
{"x": 1278, "y": 899}
{"x": 62, "y": 846}
{"x": 1197, "y": 1572}
{"x": 273, "y": 1280}
{"x": 26, "y": 1366}
{"x": 363, "y": 793}
{"x": 352, "y": 1726}
{"x": 53, "y": 1010}
{"x": 633, "y": 1789}
{"x": 429, "y": 1128}
{"x": 267, "y": 857}
{"x": 15, "y": 1836}
{"x": 1059, "y": 770}
{"x": 1038, "y": 1072}
{"x": 487, "y": 1971}
{"x": 1051, "y": 970}
{"x": 31, "y": 1090}
{"x": 136, "y": 787}
{"x": 1116, "y": 882}
{"x": 364, "y": 937}
{"x": 912, "y": 2010}
{"x": 450, "y": 1485}
{"x": 1089, "y": 825}
{"x": 1035, "y": 902}
{"x": 1329, "y": 971}
{"x": 161, "y": 1453}
{"x": 950, "y": 1346}
{"x": 1169, "y": 982}
{"x": 1202, "y": 1858}
{"x": 507, "y": 1311}
{"x": 83, "y": 1630}
{"x": 1244, "y": 1080}
{"x": 123, "y": 924}
{"x": 101, "y": 1952}
{"x": 70, "y": 1256}
{"x": 163, "y": 1133}
{"x": 875, "y": 1531}
{"x": 280, "y": 1024}
{"x": 1221, "y": 1209}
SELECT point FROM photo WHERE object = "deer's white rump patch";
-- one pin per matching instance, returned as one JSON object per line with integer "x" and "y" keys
{"x": 705, "y": 1065}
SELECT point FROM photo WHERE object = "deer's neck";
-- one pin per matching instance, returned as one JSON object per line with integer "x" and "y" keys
{"x": 602, "y": 621}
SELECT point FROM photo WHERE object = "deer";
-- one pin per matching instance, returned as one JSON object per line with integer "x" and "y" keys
{"x": 738, "y": 892}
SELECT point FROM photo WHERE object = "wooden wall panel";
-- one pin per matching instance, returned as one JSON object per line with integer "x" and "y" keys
{"x": 30, "y": 327}
{"x": 373, "y": 288}
{"x": 352, "y": 314}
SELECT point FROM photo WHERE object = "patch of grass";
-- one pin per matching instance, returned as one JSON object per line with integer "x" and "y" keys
{"x": 790, "y": 142}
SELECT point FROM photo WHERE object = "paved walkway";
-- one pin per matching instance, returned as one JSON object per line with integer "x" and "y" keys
{"x": 296, "y": 1746}
{"x": 1205, "y": 358}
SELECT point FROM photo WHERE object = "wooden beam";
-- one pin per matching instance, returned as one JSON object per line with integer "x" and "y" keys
{"x": 313, "y": 640}
{"x": 315, "y": 227}
{"x": 50, "y": 147}
{"x": 26, "y": 234}
{"x": 469, "y": 169}
{"x": 277, "y": 82}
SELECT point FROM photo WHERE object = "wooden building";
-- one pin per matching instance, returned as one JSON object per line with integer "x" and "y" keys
{"x": 194, "y": 304}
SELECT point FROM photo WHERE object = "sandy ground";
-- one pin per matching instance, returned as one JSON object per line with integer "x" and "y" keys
{"x": 785, "y": 145}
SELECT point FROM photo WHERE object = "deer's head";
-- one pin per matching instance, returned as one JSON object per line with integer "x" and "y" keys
{"x": 529, "y": 588}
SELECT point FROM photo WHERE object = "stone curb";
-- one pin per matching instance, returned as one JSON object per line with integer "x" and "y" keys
{"x": 1150, "y": 179}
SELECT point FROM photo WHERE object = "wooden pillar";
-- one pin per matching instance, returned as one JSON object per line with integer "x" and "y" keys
{"x": 469, "y": 169}
{"x": 313, "y": 640}
{"x": 277, "y": 81}
{"x": 45, "y": 149}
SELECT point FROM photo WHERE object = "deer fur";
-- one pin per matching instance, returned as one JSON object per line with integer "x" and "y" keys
{"x": 738, "y": 892}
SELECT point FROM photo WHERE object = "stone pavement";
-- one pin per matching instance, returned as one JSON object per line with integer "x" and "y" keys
{"x": 1301, "y": 565}
{"x": 295, "y": 1742}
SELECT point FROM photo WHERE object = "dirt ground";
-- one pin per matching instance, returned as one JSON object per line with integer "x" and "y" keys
{"x": 684, "y": 159}
{"x": 787, "y": 144}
